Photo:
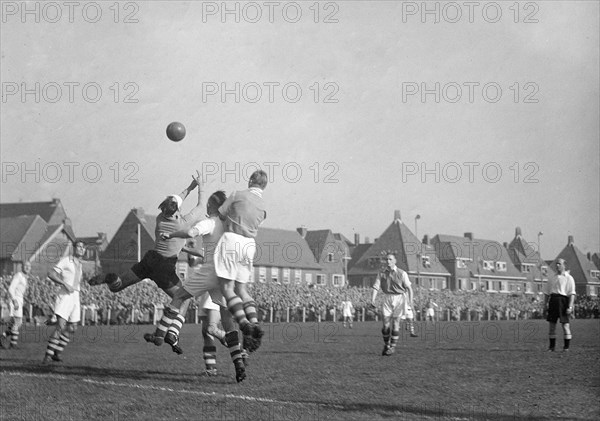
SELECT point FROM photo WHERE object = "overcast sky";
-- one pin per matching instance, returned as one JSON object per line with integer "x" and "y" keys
{"x": 478, "y": 123}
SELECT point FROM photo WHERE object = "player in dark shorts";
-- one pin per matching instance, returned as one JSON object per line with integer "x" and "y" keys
{"x": 159, "y": 264}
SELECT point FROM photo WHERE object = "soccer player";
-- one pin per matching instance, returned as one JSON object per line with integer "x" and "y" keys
{"x": 159, "y": 264}
{"x": 395, "y": 285}
{"x": 16, "y": 294}
{"x": 347, "y": 312}
{"x": 67, "y": 273}
{"x": 242, "y": 213}
{"x": 559, "y": 297}
{"x": 430, "y": 312}
{"x": 200, "y": 282}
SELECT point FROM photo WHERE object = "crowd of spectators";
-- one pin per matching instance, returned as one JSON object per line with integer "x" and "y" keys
{"x": 297, "y": 302}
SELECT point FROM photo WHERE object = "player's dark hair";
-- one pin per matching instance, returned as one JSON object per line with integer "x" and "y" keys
{"x": 217, "y": 198}
{"x": 258, "y": 179}
{"x": 168, "y": 206}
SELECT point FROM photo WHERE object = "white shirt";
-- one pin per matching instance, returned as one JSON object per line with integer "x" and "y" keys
{"x": 70, "y": 271}
{"x": 562, "y": 284}
{"x": 211, "y": 230}
{"x": 18, "y": 287}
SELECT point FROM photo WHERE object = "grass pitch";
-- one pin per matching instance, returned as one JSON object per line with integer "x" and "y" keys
{"x": 310, "y": 371}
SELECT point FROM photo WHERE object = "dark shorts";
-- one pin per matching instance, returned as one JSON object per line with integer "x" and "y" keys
{"x": 158, "y": 268}
{"x": 557, "y": 308}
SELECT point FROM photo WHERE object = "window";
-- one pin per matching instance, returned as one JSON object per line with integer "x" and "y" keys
{"x": 297, "y": 276}
{"x": 426, "y": 262}
{"x": 338, "y": 280}
{"x": 473, "y": 286}
{"x": 275, "y": 275}
{"x": 488, "y": 265}
{"x": 462, "y": 284}
{"x": 595, "y": 273}
{"x": 308, "y": 278}
{"x": 262, "y": 274}
{"x": 320, "y": 279}
{"x": 501, "y": 266}
{"x": 544, "y": 270}
{"x": 286, "y": 276}
{"x": 329, "y": 257}
{"x": 526, "y": 268}
{"x": 460, "y": 264}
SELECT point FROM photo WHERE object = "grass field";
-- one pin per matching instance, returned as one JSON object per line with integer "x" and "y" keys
{"x": 453, "y": 371}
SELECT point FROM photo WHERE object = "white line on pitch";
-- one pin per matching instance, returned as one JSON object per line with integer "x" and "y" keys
{"x": 163, "y": 389}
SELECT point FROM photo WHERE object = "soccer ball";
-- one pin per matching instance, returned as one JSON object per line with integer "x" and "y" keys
{"x": 175, "y": 131}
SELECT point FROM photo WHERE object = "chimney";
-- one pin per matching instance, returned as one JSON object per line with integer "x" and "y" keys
{"x": 302, "y": 231}
{"x": 139, "y": 212}
{"x": 425, "y": 239}
{"x": 570, "y": 242}
{"x": 356, "y": 238}
{"x": 505, "y": 244}
{"x": 469, "y": 235}
{"x": 518, "y": 232}
{"x": 589, "y": 256}
{"x": 397, "y": 215}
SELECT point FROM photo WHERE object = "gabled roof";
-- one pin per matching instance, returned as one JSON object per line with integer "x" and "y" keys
{"x": 24, "y": 236}
{"x": 521, "y": 252}
{"x": 475, "y": 251}
{"x": 20, "y": 232}
{"x": 357, "y": 253}
{"x": 406, "y": 246}
{"x": 45, "y": 210}
{"x": 283, "y": 248}
{"x": 577, "y": 263}
{"x": 317, "y": 240}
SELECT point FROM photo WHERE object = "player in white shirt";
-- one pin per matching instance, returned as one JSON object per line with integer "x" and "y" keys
{"x": 16, "y": 294}
{"x": 559, "y": 297}
{"x": 67, "y": 273}
{"x": 347, "y": 312}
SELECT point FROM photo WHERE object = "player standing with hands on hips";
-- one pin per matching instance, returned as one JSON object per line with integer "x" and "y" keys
{"x": 394, "y": 283}
{"x": 67, "y": 273}
{"x": 559, "y": 297}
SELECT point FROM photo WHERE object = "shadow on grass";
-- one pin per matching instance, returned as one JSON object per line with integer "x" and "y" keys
{"x": 110, "y": 374}
{"x": 436, "y": 411}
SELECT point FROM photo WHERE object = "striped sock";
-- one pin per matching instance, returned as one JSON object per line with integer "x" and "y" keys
{"x": 395, "y": 337}
{"x": 411, "y": 326}
{"x": 235, "y": 306}
{"x": 177, "y": 324}
{"x": 57, "y": 345}
{"x": 233, "y": 343}
{"x": 250, "y": 310}
{"x": 386, "y": 335}
{"x": 209, "y": 353}
{"x": 14, "y": 337}
{"x": 165, "y": 321}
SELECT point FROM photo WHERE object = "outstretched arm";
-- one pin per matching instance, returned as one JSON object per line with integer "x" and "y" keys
{"x": 185, "y": 192}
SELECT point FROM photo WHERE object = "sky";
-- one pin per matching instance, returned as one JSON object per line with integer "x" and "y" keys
{"x": 482, "y": 122}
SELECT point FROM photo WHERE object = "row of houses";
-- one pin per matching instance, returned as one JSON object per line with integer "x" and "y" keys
{"x": 41, "y": 231}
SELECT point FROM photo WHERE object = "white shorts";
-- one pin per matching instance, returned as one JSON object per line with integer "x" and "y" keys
{"x": 205, "y": 303}
{"x": 68, "y": 307}
{"x": 430, "y": 313}
{"x": 16, "y": 312}
{"x": 234, "y": 255}
{"x": 347, "y": 314}
{"x": 204, "y": 280}
{"x": 395, "y": 306}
